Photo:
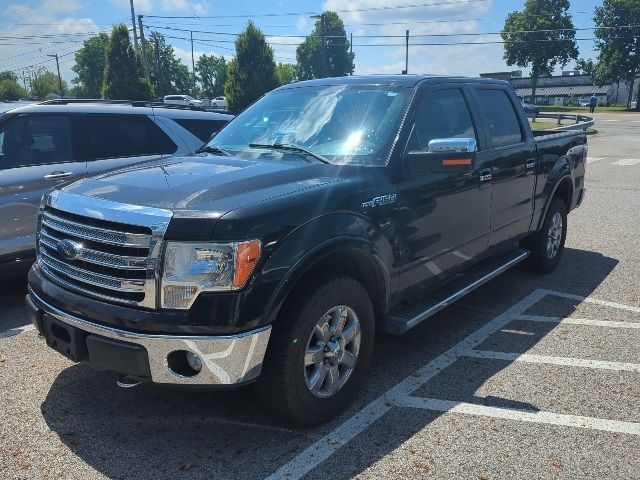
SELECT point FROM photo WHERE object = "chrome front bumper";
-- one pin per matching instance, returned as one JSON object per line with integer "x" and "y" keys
{"x": 226, "y": 360}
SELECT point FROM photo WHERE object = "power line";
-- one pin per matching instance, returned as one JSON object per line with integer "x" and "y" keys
{"x": 354, "y": 10}
{"x": 402, "y": 36}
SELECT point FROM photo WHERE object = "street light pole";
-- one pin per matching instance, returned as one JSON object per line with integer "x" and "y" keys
{"x": 55, "y": 55}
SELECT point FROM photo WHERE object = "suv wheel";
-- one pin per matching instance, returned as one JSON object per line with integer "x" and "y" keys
{"x": 547, "y": 245}
{"x": 319, "y": 352}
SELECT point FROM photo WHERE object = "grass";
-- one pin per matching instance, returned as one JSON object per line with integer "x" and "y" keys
{"x": 563, "y": 109}
{"x": 538, "y": 126}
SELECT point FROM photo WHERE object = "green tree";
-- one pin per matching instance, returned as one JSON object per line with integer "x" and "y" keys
{"x": 251, "y": 73}
{"x": 168, "y": 74}
{"x": 89, "y": 67}
{"x": 123, "y": 74}
{"x": 617, "y": 44}
{"x": 212, "y": 74}
{"x": 335, "y": 60}
{"x": 10, "y": 89}
{"x": 44, "y": 83}
{"x": 542, "y": 36}
{"x": 586, "y": 65}
{"x": 285, "y": 73}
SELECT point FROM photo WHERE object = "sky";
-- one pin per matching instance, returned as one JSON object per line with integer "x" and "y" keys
{"x": 32, "y": 29}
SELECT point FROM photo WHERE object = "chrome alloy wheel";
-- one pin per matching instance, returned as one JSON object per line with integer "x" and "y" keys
{"x": 332, "y": 351}
{"x": 554, "y": 236}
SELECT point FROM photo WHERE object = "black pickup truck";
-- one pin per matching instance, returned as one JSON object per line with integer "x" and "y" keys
{"x": 326, "y": 211}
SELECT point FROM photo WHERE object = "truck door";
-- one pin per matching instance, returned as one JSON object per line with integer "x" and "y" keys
{"x": 513, "y": 164}
{"x": 444, "y": 205}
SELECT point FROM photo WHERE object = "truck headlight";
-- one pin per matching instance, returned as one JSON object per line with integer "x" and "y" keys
{"x": 194, "y": 267}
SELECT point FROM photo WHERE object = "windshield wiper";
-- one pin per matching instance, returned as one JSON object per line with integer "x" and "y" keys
{"x": 290, "y": 147}
{"x": 211, "y": 149}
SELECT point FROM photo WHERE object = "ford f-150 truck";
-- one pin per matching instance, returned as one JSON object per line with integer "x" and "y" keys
{"x": 326, "y": 211}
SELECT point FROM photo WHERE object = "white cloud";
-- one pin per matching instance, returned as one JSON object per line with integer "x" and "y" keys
{"x": 468, "y": 60}
{"x": 49, "y": 17}
{"x": 169, "y": 6}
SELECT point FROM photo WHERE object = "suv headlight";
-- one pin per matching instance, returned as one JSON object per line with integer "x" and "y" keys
{"x": 194, "y": 267}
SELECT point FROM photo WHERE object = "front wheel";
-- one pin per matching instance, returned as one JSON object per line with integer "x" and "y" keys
{"x": 547, "y": 245}
{"x": 319, "y": 352}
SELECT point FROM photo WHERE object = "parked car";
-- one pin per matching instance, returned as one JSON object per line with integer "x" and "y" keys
{"x": 182, "y": 100}
{"x": 45, "y": 145}
{"x": 327, "y": 210}
{"x": 219, "y": 102}
{"x": 530, "y": 109}
{"x": 583, "y": 101}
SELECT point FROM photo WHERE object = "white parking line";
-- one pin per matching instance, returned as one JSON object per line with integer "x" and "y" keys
{"x": 16, "y": 331}
{"x": 322, "y": 449}
{"x": 571, "y": 296}
{"x": 594, "y": 159}
{"x": 399, "y": 395}
{"x": 579, "y": 321}
{"x": 627, "y": 161}
{"x": 610, "y": 120}
{"x": 547, "y": 418}
{"x": 550, "y": 360}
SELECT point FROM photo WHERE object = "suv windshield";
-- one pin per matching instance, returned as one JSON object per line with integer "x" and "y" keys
{"x": 344, "y": 124}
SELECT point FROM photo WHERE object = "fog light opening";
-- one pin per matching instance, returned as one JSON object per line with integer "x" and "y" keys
{"x": 183, "y": 363}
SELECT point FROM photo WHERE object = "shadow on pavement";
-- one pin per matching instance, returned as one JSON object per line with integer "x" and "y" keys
{"x": 152, "y": 432}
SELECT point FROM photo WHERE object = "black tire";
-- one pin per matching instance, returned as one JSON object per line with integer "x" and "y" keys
{"x": 541, "y": 259}
{"x": 282, "y": 384}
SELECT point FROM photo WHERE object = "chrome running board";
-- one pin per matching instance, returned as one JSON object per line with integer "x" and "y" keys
{"x": 399, "y": 321}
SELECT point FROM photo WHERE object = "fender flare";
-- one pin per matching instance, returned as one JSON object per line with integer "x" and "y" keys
{"x": 311, "y": 259}
{"x": 556, "y": 185}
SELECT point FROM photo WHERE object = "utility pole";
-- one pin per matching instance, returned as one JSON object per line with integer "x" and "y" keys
{"x": 143, "y": 42}
{"x": 133, "y": 21}
{"x": 351, "y": 52}
{"x": 193, "y": 69}
{"x": 55, "y": 55}
{"x": 406, "y": 54}
{"x": 159, "y": 69}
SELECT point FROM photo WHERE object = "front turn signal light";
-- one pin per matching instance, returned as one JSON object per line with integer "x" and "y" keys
{"x": 247, "y": 255}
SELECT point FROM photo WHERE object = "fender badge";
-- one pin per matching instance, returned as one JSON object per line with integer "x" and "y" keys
{"x": 379, "y": 201}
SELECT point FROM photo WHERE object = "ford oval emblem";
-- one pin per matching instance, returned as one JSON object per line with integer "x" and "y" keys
{"x": 68, "y": 250}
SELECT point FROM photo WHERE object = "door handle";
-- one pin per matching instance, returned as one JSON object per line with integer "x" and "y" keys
{"x": 485, "y": 175}
{"x": 531, "y": 163}
{"x": 58, "y": 175}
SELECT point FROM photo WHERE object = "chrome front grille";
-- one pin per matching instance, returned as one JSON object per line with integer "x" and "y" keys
{"x": 110, "y": 263}
{"x": 114, "y": 253}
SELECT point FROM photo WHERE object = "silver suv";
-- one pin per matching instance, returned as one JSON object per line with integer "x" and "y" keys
{"x": 44, "y": 145}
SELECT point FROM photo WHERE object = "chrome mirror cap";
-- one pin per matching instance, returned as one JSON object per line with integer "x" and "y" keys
{"x": 444, "y": 145}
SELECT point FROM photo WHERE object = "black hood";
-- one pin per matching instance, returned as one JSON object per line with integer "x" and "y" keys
{"x": 210, "y": 184}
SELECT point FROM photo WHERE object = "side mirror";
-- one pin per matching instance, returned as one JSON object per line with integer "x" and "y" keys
{"x": 441, "y": 155}
{"x": 449, "y": 145}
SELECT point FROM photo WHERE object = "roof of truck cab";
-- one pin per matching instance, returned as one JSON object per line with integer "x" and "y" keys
{"x": 390, "y": 80}
{"x": 122, "y": 109}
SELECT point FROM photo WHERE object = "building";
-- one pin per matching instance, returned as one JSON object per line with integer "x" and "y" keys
{"x": 565, "y": 89}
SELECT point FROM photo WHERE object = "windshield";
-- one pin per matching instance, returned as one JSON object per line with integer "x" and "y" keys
{"x": 343, "y": 124}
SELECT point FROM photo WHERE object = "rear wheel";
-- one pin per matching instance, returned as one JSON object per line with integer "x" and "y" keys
{"x": 319, "y": 352}
{"x": 547, "y": 245}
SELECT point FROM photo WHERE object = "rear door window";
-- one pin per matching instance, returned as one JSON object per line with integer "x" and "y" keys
{"x": 501, "y": 117}
{"x": 203, "y": 129}
{"x": 116, "y": 136}
{"x": 29, "y": 140}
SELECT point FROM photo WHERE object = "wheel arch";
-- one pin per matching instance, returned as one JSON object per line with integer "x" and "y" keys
{"x": 354, "y": 258}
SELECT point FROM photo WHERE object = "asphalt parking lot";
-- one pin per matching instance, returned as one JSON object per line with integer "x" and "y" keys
{"x": 528, "y": 377}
